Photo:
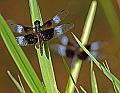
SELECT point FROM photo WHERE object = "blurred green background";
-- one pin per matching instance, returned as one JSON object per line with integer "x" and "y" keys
{"x": 18, "y": 11}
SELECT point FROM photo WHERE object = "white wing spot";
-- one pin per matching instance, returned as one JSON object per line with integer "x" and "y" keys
{"x": 58, "y": 30}
{"x": 64, "y": 40}
{"x": 19, "y": 28}
{"x": 56, "y": 19}
{"x": 62, "y": 50}
{"x": 20, "y": 40}
{"x": 95, "y": 45}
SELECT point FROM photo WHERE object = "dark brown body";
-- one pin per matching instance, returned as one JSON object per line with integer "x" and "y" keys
{"x": 71, "y": 51}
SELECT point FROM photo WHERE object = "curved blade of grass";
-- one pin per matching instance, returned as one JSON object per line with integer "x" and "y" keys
{"x": 112, "y": 17}
{"x": 75, "y": 72}
{"x": 20, "y": 88}
{"x": 83, "y": 90}
{"x": 107, "y": 67}
{"x": 93, "y": 80}
{"x": 21, "y": 84}
{"x": 115, "y": 88}
{"x": 102, "y": 68}
{"x": 45, "y": 59}
{"x": 89, "y": 23}
{"x": 68, "y": 71}
{"x": 85, "y": 36}
{"x": 20, "y": 58}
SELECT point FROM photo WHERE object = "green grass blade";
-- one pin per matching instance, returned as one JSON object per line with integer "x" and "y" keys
{"x": 85, "y": 36}
{"x": 21, "y": 84}
{"x": 112, "y": 17}
{"x": 20, "y": 58}
{"x": 35, "y": 11}
{"x": 75, "y": 72}
{"x": 16, "y": 83}
{"x": 68, "y": 71}
{"x": 89, "y": 22}
{"x": 102, "y": 68}
{"x": 114, "y": 84}
{"x": 83, "y": 90}
{"x": 115, "y": 88}
{"x": 45, "y": 59}
{"x": 47, "y": 73}
{"x": 93, "y": 80}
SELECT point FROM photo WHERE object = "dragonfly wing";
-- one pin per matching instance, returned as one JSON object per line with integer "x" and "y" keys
{"x": 65, "y": 40}
{"x": 60, "y": 16}
{"x": 55, "y": 32}
{"x": 97, "y": 45}
{"x": 94, "y": 49}
{"x": 56, "y": 19}
{"x": 59, "y": 30}
{"x": 29, "y": 39}
{"x": 75, "y": 57}
{"x": 19, "y": 28}
{"x": 21, "y": 41}
{"x": 59, "y": 49}
{"x": 95, "y": 54}
{"x": 48, "y": 34}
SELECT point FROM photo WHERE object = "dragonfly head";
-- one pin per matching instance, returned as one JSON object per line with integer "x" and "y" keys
{"x": 37, "y": 22}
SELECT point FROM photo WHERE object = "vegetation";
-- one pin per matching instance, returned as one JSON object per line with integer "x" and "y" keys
{"x": 46, "y": 68}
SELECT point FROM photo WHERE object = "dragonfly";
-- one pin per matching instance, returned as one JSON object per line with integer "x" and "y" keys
{"x": 74, "y": 51}
{"x": 39, "y": 33}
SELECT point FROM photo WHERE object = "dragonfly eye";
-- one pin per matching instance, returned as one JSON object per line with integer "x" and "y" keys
{"x": 19, "y": 29}
{"x": 21, "y": 41}
{"x": 56, "y": 19}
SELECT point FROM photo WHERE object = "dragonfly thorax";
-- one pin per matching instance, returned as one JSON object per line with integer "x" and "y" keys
{"x": 37, "y": 27}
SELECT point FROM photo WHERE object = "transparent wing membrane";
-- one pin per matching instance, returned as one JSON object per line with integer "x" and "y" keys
{"x": 59, "y": 49}
{"x": 59, "y": 30}
{"x": 19, "y": 28}
{"x": 97, "y": 45}
{"x": 56, "y": 19}
{"x": 64, "y": 40}
{"x": 95, "y": 54}
{"x": 60, "y": 16}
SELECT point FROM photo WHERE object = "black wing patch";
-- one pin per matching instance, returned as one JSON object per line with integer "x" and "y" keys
{"x": 55, "y": 32}
{"x": 56, "y": 19}
{"x": 47, "y": 34}
{"x": 29, "y": 39}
